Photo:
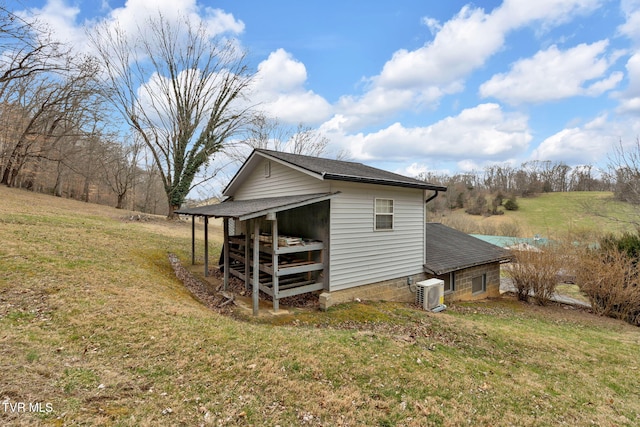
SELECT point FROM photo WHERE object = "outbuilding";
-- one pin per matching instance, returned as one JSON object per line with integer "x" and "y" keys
{"x": 469, "y": 266}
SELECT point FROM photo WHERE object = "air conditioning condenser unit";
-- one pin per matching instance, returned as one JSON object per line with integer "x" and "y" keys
{"x": 430, "y": 294}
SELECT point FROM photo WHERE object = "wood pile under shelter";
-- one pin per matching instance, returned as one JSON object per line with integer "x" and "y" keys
{"x": 279, "y": 264}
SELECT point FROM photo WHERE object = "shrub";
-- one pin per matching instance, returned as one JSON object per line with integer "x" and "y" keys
{"x": 511, "y": 204}
{"x": 479, "y": 206}
{"x": 535, "y": 273}
{"x": 511, "y": 228}
{"x": 609, "y": 277}
{"x": 628, "y": 243}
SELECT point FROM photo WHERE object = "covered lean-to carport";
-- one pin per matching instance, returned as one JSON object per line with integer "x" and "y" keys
{"x": 277, "y": 245}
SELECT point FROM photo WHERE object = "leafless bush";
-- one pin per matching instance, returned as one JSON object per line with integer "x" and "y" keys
{"x": 511, "y": 228}
{"x": 461, "y": 223}
{"x": 472, "y": 225}
{"x": 610, "y": 279}
{"x": 535, "y": 272}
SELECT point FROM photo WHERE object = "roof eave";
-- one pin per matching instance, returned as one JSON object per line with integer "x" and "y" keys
{"x": 436, "y": 272}
{"x": 289, "y": 206}
{"x": 364, "y": 180}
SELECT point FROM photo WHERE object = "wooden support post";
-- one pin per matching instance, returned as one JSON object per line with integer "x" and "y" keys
{"x": 206, "y": 246}
{"x": 247, "y": 254}
{"x": 274, "y": 261}
{"x": 256, "y": 266}
{"x": 226, "y": 259}
{"x": 193, "y": 240}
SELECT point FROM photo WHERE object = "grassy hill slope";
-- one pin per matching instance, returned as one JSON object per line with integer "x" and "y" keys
{"x": 554, "y": 215}
{"x": 97, "y": 330}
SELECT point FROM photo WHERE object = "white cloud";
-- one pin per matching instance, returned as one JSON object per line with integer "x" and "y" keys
{"x": 433, "y": 24}
{"x": 633, "y": 71}
{"x": 63, "y": 18}
{"x": 482, "y": 132}
{"x": 219, "y": 22}
{"x": 553, "y": 74}
{"x": 630, "y": 105}
{"x": 630, "y": 97}
{"x": 465, "y": 42}
{"x": 631, "y": 27}
{"x": 587, "y": 144}
{"x": 135, "y": 12}
{"x": 516, "y": 13}
{"x": 460, "y": 46}
{"x": 279, "y": 87}
{"x": 280, "y": 72}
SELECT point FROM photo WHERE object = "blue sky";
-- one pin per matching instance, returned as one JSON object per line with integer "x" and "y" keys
{"x": 425, "y": 86}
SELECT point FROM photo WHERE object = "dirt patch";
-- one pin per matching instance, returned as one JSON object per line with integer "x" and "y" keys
{"x": 138, "y": 217}
{"x": 24, "y": 304}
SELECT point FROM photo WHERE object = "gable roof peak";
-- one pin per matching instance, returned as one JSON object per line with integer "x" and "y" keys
{"x": 342, "y": 170}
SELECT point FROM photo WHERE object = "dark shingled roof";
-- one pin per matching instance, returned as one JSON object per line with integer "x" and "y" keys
{"x": 450, "y": 250}
{"x": 247, "y": 209}
{"x": 339, "y": 170}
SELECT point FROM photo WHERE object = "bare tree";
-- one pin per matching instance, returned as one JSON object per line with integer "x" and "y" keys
{"x": 44, "y": 109}
{"x": 624, "y": 166}
{"x": 120, "y": 164}
{"x": 180, "y": 90}
{"x": 27, "y": 49}
{"x": 263, "y": 132}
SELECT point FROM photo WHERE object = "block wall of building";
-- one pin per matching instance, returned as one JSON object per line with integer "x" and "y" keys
{"x": 463, "y": 279}
{"x": 400, "y": 290}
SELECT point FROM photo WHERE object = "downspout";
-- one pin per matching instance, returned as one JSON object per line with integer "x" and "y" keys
{"x": 432, "y": 197}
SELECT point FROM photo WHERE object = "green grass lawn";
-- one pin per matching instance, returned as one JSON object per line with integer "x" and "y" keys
{"x": 97, "y": 330}
{"x": 559, "y": 214}
{"x": 553, "y": 215}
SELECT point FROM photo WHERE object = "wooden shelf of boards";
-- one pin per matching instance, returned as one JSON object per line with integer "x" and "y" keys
{"x": 296, "y": 265}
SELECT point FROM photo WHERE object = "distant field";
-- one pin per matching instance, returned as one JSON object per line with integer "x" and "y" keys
{"x": 557, "y": 215}
{"x": 96, "y": 330}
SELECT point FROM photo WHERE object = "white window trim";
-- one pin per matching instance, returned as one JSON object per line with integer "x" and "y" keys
{"x": 267, "y": 169}
{"x": 375, "y": 214}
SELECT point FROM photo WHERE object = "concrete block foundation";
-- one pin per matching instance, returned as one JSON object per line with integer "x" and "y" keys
{"x": 402, "y": 289}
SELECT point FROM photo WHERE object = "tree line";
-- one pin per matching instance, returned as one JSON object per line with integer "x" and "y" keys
{"x": 56, "y": 134}
{"x": 481, "y": 192}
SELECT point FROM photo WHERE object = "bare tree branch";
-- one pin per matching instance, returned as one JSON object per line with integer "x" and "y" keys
{"x": 182, "y": 92}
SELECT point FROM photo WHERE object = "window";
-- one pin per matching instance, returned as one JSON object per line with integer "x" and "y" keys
{"x": 479, "y": 284}
{"x": 384, "y": 214}
{"x": 267, "y": 169}
{"x": 449, "y": 282}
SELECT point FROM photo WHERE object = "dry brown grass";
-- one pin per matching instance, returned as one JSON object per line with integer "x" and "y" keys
{"x": 95, "y": 323}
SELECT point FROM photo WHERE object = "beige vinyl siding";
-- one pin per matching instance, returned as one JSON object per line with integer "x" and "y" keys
{"x": 361, "y": 255}
{"x": 282, "y": 181}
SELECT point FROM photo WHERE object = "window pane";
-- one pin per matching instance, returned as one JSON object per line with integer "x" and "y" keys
{"x": 449, "y": 282}
{"x": 384, "y": 222}
{"x": 384, "y": 206}
{"x": 478, "y": 284}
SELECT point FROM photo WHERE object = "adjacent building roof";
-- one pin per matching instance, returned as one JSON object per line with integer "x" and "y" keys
{"x": 329, "y": 169}
{"x": 248, "y": 209}
{"x": 513, "y": 242}
{"x": 450, "y": 250}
